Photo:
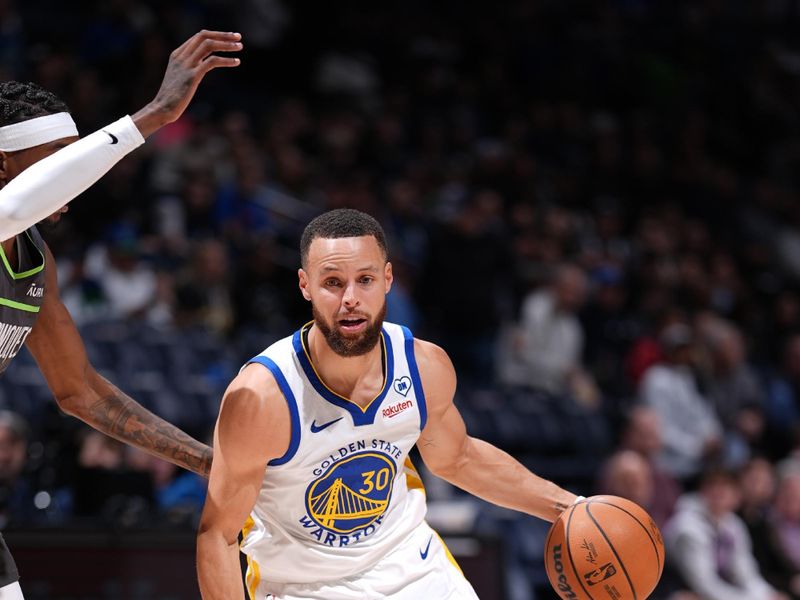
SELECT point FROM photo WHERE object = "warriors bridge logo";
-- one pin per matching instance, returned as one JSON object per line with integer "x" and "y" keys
{"x": 351, "y": 495}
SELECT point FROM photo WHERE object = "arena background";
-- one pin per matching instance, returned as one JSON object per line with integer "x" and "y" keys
{"x": 575, "y": 193}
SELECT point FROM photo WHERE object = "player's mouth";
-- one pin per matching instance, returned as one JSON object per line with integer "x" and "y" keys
{"x": 352, "y": 324}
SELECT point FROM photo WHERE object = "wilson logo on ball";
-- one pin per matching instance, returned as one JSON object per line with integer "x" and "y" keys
{"x": 601, "y": 574}
{"x": 563, "y": 585}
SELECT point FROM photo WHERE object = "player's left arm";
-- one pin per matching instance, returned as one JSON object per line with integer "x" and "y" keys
{"x": 469, "y": 463}
{"x": 82, "y": 392}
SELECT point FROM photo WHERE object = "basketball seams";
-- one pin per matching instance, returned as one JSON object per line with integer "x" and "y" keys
{"x": 547, "y": 545}
{"x": 632, "y": 516}
{"x": 567, "y": 543}
{"x": 610, "y": 545}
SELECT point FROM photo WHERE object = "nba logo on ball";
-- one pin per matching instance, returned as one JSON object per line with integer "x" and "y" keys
{"x": 601, "y": 574}
{"x": 604, "y": 547}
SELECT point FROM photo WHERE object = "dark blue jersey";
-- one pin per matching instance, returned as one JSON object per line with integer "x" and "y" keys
{"x": 21, "y": 293}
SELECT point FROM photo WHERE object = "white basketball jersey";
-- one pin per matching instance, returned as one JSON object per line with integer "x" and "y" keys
{"x": 345, "y": 492}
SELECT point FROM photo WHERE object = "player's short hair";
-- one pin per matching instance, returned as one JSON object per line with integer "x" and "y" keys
{"x": 342, "y": 223}
{"x": 23, "y": 101}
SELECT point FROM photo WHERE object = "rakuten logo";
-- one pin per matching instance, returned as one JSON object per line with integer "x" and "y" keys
{"x": 393, "y": 411}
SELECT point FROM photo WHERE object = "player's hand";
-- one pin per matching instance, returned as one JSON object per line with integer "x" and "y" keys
{"x": 187, "y": 66}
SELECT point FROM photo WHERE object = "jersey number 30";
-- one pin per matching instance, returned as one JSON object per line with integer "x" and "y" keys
{"x": 375, "y": 482}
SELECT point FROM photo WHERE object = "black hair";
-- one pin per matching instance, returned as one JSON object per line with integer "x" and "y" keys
{"x": 714, "y": 473}
{"x": 342, "y": 223}
{"x": 23, "y": 101}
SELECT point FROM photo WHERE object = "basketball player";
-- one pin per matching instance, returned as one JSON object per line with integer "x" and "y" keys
{"x": 42, "y": 167}
{"x": 312, "y": 440}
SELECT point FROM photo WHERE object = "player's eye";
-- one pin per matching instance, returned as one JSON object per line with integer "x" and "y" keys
{"x": 332, "y": 282}
{"x": 367, "y": 280}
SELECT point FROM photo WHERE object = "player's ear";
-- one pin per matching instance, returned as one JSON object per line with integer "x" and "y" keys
{"x": 4, "y": 175}
{"x": 388, "y": 276}
{"x": 302, "y": 278}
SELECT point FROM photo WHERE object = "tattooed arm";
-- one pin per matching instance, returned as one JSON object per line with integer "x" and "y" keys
{"x": 111, "y": 411}
{"x": 80, "y": 391}
{"x": 472, "y": 464}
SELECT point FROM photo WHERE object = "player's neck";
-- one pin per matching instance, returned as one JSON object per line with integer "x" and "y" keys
{"x": 10, "y": 250}
{"x": 347, "y": 376}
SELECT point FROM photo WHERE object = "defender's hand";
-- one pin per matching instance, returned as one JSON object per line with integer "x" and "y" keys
{"x": 187, "y": 66}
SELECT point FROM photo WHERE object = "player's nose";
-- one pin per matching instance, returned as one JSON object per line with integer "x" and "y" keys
{"x": 350, "y": 297}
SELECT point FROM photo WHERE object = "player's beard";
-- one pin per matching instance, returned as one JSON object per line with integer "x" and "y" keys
{"x": 349, "y": 346}
{"x": 51, "y": 222}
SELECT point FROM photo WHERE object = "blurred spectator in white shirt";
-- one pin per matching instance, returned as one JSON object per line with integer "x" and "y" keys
{"x": 128, "y": 284}
{"x": 710, "y": 547}
{"x": 547, "y": 347}
{"x": 689, "y": 425}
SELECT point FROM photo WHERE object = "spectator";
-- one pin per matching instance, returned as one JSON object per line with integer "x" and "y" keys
{"x": 757, "y": 486}
{"x": 128, "y": 284}
{"x": 16, "y": 490}
{"x": 642, "y": 435}
{"x": 179, "y": 495}
{"x": 208, "y": 280}
{"x": 610, "y": 327}
{"x": 105, "y": 487}
{"x": 777, "y": 544}
{"x": 475, "y": 238}
{"x": 710, "y": 547}
{"x": 733, "y": 388}
{"x": 258, "y": 300}
{"x": 627, "y": 474}
{"x": 692, "y": 432}
{"x": 783, "y": 396}
{"x": 547, "y": 351}
{"x": 400, "y": 306}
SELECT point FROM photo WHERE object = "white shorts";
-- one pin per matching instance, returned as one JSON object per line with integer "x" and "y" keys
{"x": 420, "y": 567}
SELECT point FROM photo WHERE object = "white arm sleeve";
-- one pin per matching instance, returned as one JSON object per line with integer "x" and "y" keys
{"x": 46, "y": 186}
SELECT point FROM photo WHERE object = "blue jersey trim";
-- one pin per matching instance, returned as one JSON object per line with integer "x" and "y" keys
{"x": 415, "y": 379}
{"x": 294, "y": 442}
{"x": 361, "y": 416}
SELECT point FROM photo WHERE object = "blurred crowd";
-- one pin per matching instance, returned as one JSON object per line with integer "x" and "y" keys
{"x": 592, "y": 206}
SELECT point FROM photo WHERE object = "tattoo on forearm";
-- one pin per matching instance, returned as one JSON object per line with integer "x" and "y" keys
{"x": 561, "y": 507}
{"x": 426, "y": 441}
{"x": 123, "y": 418}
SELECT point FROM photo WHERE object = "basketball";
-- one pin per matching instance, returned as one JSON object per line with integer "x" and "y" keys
{"x": 604, "y": 547}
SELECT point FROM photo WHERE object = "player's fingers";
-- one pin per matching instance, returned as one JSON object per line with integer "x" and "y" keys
{"x": 209, "y": 47}
{"x": 214, "y": 62}
{"x": 190, "y": 46}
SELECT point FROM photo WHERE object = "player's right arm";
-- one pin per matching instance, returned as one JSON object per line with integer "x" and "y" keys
{"x": 49, "y": 184}
{"x": 253, "y": 427}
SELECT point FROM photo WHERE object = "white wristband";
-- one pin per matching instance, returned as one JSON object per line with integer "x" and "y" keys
{"x": 578, "y": 499}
